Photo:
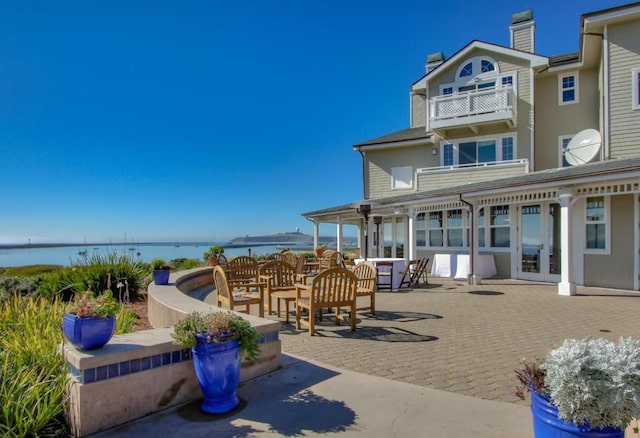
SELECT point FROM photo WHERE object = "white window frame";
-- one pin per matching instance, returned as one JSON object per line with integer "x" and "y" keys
{"x": 497, "y": 139}
{"x": 607, "y": 223}
{"x": 444, "y": 229}
{"x": 561, "y": 140}
{"x": 576, "y": 88}
{"x": 635, "y": 91}
{"x": 399, "y": 180}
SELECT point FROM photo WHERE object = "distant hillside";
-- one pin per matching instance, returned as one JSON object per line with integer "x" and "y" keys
{"x": 280, "y": 238}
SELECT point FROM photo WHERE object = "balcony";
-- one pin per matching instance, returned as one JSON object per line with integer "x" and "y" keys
{"x": 472, "y": 109}
{"x": 433, "y": 178}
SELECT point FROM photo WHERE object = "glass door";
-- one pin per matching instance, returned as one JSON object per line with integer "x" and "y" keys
{"x": 539, "y": 249}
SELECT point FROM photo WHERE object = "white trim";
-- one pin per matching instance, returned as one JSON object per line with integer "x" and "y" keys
{"x": 534, "y": 60}
{"x": 607, "y": 223}
{"x": 636, "y": 242}
{"x": 531, "y": 24}
{"x": 618, "y": 13}
{"x": 635, "y": 90}
{"x": 561, "y": 139}
{"x": 576, "y": 87}
{"x": 531, "y": 119}
{"x": 497, "y": 138}
{"x": 398, "y": 177}
{"x": 605, "y": 93}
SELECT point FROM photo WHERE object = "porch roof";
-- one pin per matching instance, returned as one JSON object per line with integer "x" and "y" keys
{"x": 404, "y": 135}
{"x": 602, "y": 170}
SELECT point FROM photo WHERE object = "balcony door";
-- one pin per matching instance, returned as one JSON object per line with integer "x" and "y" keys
{"x": 539, "y": 242}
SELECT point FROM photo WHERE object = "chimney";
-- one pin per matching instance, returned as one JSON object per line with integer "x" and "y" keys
{"x": 434, "y": 60}
{"x": 523, "y": 31}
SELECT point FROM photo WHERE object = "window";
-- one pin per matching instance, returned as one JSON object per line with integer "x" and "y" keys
{"x": 563, "y": 142}
{"x": 401, "y": 177}
{"x": 476, "y": 66}
{"x": 507, "y": 148}
{"x": 436, "y": 229}
{"x": 568, "y": 88}
{"x": 447, "y": 90}
{"x": 499, "y": 227}
{"x": 447, "y": 155}
{"x": 485, "y": 150}
{"x": 486, "y": 66}
{"x": 454, "y": 227}
{"x": 507, "y": 80}
{"x": 441, "y": 229}
{"x": 635, "y": 88}
{"x": 595, "y": 220}
{"x": 467, "y": 70}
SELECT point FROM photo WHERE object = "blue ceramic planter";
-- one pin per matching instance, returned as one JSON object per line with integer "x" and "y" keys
{"x": 546, "y": 423}
{"x": 88, "y": 333}
{"x": 217, "y": 368}
{"x": 161, "y": 277}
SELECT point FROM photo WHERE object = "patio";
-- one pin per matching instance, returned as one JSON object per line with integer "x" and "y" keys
{"x": 466, "y": 339}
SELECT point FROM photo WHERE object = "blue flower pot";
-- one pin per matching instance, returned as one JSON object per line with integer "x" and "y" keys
{"x": 161, "y": 277}
{"x": 88, "y": 332}
{"x": 546, "y": 423}
{"x": 217, "y": 368}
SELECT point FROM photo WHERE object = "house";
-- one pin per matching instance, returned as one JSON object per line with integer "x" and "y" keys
{"x": 531, "y": 160}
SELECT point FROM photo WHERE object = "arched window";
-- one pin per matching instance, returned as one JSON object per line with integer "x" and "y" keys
{"x": 477, "y": 67}
{"x": 467, "y": 70}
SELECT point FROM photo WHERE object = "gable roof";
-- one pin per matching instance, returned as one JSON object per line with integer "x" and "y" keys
{"x": 404, "y": 137}
{"x": 534, "y": 60}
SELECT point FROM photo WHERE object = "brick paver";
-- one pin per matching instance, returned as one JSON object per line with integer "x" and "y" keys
{"x": 466, "y": 339}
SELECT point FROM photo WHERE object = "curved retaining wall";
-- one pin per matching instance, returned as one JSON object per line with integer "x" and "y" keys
{"x": 144, "y": 372}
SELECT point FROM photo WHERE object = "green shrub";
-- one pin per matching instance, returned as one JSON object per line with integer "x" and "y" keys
{"x": 182, "y": 263}
{"x": 33, "y": 371}
{"x": 115, "y": 272}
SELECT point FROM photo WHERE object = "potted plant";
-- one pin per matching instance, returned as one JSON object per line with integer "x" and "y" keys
{"x": 161, "y": 271}
{"x": 218, "y": 341}
{"x": 588, "y": 387}
{"x": 211, "y": 255}
{"x": 90, "y": 321}
{"x": 320, "y": 250}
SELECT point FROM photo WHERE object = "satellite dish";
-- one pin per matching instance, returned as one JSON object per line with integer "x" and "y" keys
{"x": 583, "y": 147}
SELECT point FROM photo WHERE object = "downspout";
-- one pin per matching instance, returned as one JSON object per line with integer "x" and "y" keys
{"x": 473, "y": 280}
{"x": 364, "y": 179}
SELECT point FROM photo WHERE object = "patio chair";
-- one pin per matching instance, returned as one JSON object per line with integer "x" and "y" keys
{"x": 280, "y": 280}
{"x": 385, "y": 272}
{"x": 226, "y": 295}
{"x": 242, "y": 269}
{"x": 331, "y": 289}
{"x": 289, "y": 257}
{"x": 302, "y": 270}
{"x": 366, "y": 274}
{"x": 422, "y": 272}
{"x": 325, "y": 260}
{"x": 410, "y": 274}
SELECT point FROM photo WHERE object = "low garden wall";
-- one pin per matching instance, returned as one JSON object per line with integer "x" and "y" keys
{"x": 143, "y": 372}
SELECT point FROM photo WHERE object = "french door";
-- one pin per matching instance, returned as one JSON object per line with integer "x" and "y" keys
{"x": 539, "y": 248}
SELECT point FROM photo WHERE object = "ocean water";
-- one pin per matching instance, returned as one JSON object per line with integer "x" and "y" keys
{"x": 67, "y": 255}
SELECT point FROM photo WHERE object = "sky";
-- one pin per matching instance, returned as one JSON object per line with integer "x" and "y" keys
{"x": 205, "y": 120}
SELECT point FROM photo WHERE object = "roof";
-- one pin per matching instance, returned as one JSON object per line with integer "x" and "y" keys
{"x": 408, "y": 134}
{"x": 570, "y": 175}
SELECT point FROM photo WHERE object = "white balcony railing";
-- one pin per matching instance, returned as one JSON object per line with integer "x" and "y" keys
{"x": 492, "y": 104}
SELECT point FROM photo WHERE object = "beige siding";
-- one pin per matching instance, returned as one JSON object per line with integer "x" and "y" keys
{"x": 522, "y": 39}
{"x": 624, "y": 54}
{"x": 553, "y": 120}
{"x": 614, "y": 270}
{"x": 418, "y": 110}
{"x": 506, "y": 64}
{"x": 457, "y": 177}
{"x": 379, "y": 164}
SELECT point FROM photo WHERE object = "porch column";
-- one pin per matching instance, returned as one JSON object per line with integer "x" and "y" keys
{"x": 566, "y": 286}
{"x": 316, "y": 233}
{"x": 411, "y": 238}
{"x": 339, "y": 235}
{"x": 475, "y": 247}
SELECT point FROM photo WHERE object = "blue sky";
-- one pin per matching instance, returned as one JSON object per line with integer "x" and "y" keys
{"x": 206, "y": 120}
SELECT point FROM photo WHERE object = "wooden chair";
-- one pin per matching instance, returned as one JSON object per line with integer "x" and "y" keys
{"x": 325, "y": 260}
{"x": 242, "y": 269}
{"x": 289, "y": 257}
{"x": 385, "y": 272}
{"x": 226, "y": 295}
{"x": 280, "y": 280}
{"x": 422, "y": 272}
{"x": 331, "y": 289}
{"x": 302, "y": 270}
{"x": 366, "y": 274}
{"x": 409, "y": 275}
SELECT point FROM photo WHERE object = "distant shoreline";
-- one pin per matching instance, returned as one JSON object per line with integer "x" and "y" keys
{"x": 135, "y": 244}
